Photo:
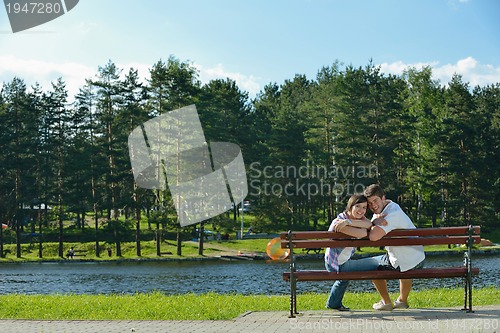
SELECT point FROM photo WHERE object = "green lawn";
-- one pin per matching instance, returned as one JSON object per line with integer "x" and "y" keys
{"x": 168, "y": 250}
{"x": 156, "y": 306}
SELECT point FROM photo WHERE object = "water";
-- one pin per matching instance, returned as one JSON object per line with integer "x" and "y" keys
{"x": 242, "y": 277}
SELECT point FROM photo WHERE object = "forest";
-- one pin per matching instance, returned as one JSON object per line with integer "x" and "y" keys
{"x": 307, "y": 144}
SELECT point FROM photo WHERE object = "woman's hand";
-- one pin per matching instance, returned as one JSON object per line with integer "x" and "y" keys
{"x": 340, "y": 225}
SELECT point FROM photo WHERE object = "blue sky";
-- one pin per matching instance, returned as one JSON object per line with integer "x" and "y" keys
{"x": 256, "y": 42}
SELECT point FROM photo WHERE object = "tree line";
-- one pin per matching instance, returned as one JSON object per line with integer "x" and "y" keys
{"x": 307, "y": 144}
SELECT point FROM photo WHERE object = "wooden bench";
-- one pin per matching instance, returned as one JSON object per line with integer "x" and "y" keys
{"x": 467, "y": 235}
{"x": 315, "y": 251}
{"x": 80, "y": 253}
{"x": 77, "y": 253}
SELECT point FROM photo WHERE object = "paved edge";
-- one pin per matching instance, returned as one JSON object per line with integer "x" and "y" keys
{"x": 435, "y": 320}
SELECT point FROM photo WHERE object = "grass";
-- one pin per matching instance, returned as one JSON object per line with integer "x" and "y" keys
{"x": 246, "y": 245}
{"x": 148, "y": 249}
{"x": 210, "y": 306}
{"x": 168, "y": 250}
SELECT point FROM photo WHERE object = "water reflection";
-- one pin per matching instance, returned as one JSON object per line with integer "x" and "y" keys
{"x": 242, "y": 277}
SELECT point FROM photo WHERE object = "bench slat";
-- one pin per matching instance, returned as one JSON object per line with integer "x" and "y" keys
{"x": 363, "y": 242}
{"x": 424, "y": 273}
{"x": 458, "y": 231}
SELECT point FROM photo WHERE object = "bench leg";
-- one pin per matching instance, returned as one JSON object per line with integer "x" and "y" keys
{"x": 465, "y": 293}
{"x": 468, "y": 264}
{"x": 469, "y": 285}
{"x": 468, "y": 276}
{"x": 293, "y": 298}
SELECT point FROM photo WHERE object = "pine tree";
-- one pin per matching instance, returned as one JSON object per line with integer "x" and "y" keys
{"x": 132, "y": 114}
{"x": 173, "y": 85}
{"x": 109, "y": 101}
{"x": 57, "y": 120}
{"x": 19, "y": 164}
{"x": 85, "y": 109}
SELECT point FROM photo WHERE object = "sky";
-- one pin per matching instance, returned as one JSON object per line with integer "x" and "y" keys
{"x": 257, "y": 42}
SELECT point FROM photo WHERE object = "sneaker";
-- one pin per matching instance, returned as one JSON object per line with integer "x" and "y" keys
{"x": 381, "y": 306}
{"x": 341, "y": 308}
{"x": 400, "y": 305}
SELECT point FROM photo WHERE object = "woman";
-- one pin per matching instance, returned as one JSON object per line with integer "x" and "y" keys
{"x": 351, "y": 222}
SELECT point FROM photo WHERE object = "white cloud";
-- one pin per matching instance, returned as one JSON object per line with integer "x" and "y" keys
{"x": 43, "y": 72}
{"x": 74, "y": 74}
{"x": 454, "y": 4}
{"x": 244, "y": 82}
{"x": 471, "y": 70}
{"x": 398, "y": 67}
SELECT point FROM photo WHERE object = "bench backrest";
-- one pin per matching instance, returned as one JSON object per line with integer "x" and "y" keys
{"x": 401, "y": 237}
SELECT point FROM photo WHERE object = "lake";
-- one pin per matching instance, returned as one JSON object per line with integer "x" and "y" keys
{"x": 169, "y": 277}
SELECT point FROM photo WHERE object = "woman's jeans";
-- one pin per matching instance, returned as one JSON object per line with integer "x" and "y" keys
{"x": 340, "y": 286}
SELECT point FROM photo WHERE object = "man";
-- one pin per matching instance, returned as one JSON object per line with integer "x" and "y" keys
{"x": 402, "y": 258}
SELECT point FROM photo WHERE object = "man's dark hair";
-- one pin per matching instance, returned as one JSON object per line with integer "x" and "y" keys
{"x": 374, "y": 190}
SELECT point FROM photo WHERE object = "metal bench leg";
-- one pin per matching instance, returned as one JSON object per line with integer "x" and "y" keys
{"x": 469, "y": 285}
{"x": 293, "y": 280}
{"x": 292, "y": 299}
{"x": 469, "y": 266}
{"x": 468, "y": 277}
{"x": 466, "y": 288}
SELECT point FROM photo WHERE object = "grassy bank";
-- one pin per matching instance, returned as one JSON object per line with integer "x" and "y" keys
{"x": 156, "y": 306}
{"x": 169, "y": 250}
{"x": 190, "y": 249}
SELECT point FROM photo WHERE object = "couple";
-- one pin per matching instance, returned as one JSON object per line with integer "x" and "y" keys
{"x": 387, "y": 216}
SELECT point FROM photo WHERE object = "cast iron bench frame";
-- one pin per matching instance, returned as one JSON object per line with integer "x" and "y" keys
{"x": 467, "y": 235}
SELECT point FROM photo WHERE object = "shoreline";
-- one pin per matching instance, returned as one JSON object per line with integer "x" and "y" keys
{"x": 239, "y": 257}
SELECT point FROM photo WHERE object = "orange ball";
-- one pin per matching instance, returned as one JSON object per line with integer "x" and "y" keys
{"x": 274, "y": 250}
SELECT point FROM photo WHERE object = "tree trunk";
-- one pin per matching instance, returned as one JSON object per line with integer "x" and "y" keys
{"x": 158, "y": 239}
{"x": 201, "y": 238}
{"x": 179, "y": 241}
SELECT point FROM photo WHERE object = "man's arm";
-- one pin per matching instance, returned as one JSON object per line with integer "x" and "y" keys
{"x": 376, "y": 233}
{"x": 379, "y": 219}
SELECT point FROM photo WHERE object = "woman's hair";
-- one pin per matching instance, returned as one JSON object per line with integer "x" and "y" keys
{"x": 355, "y": 199}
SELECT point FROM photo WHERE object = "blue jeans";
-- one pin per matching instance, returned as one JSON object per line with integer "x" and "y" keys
{"x": 340, "y": 286}
{"x": 385, "y": 263}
